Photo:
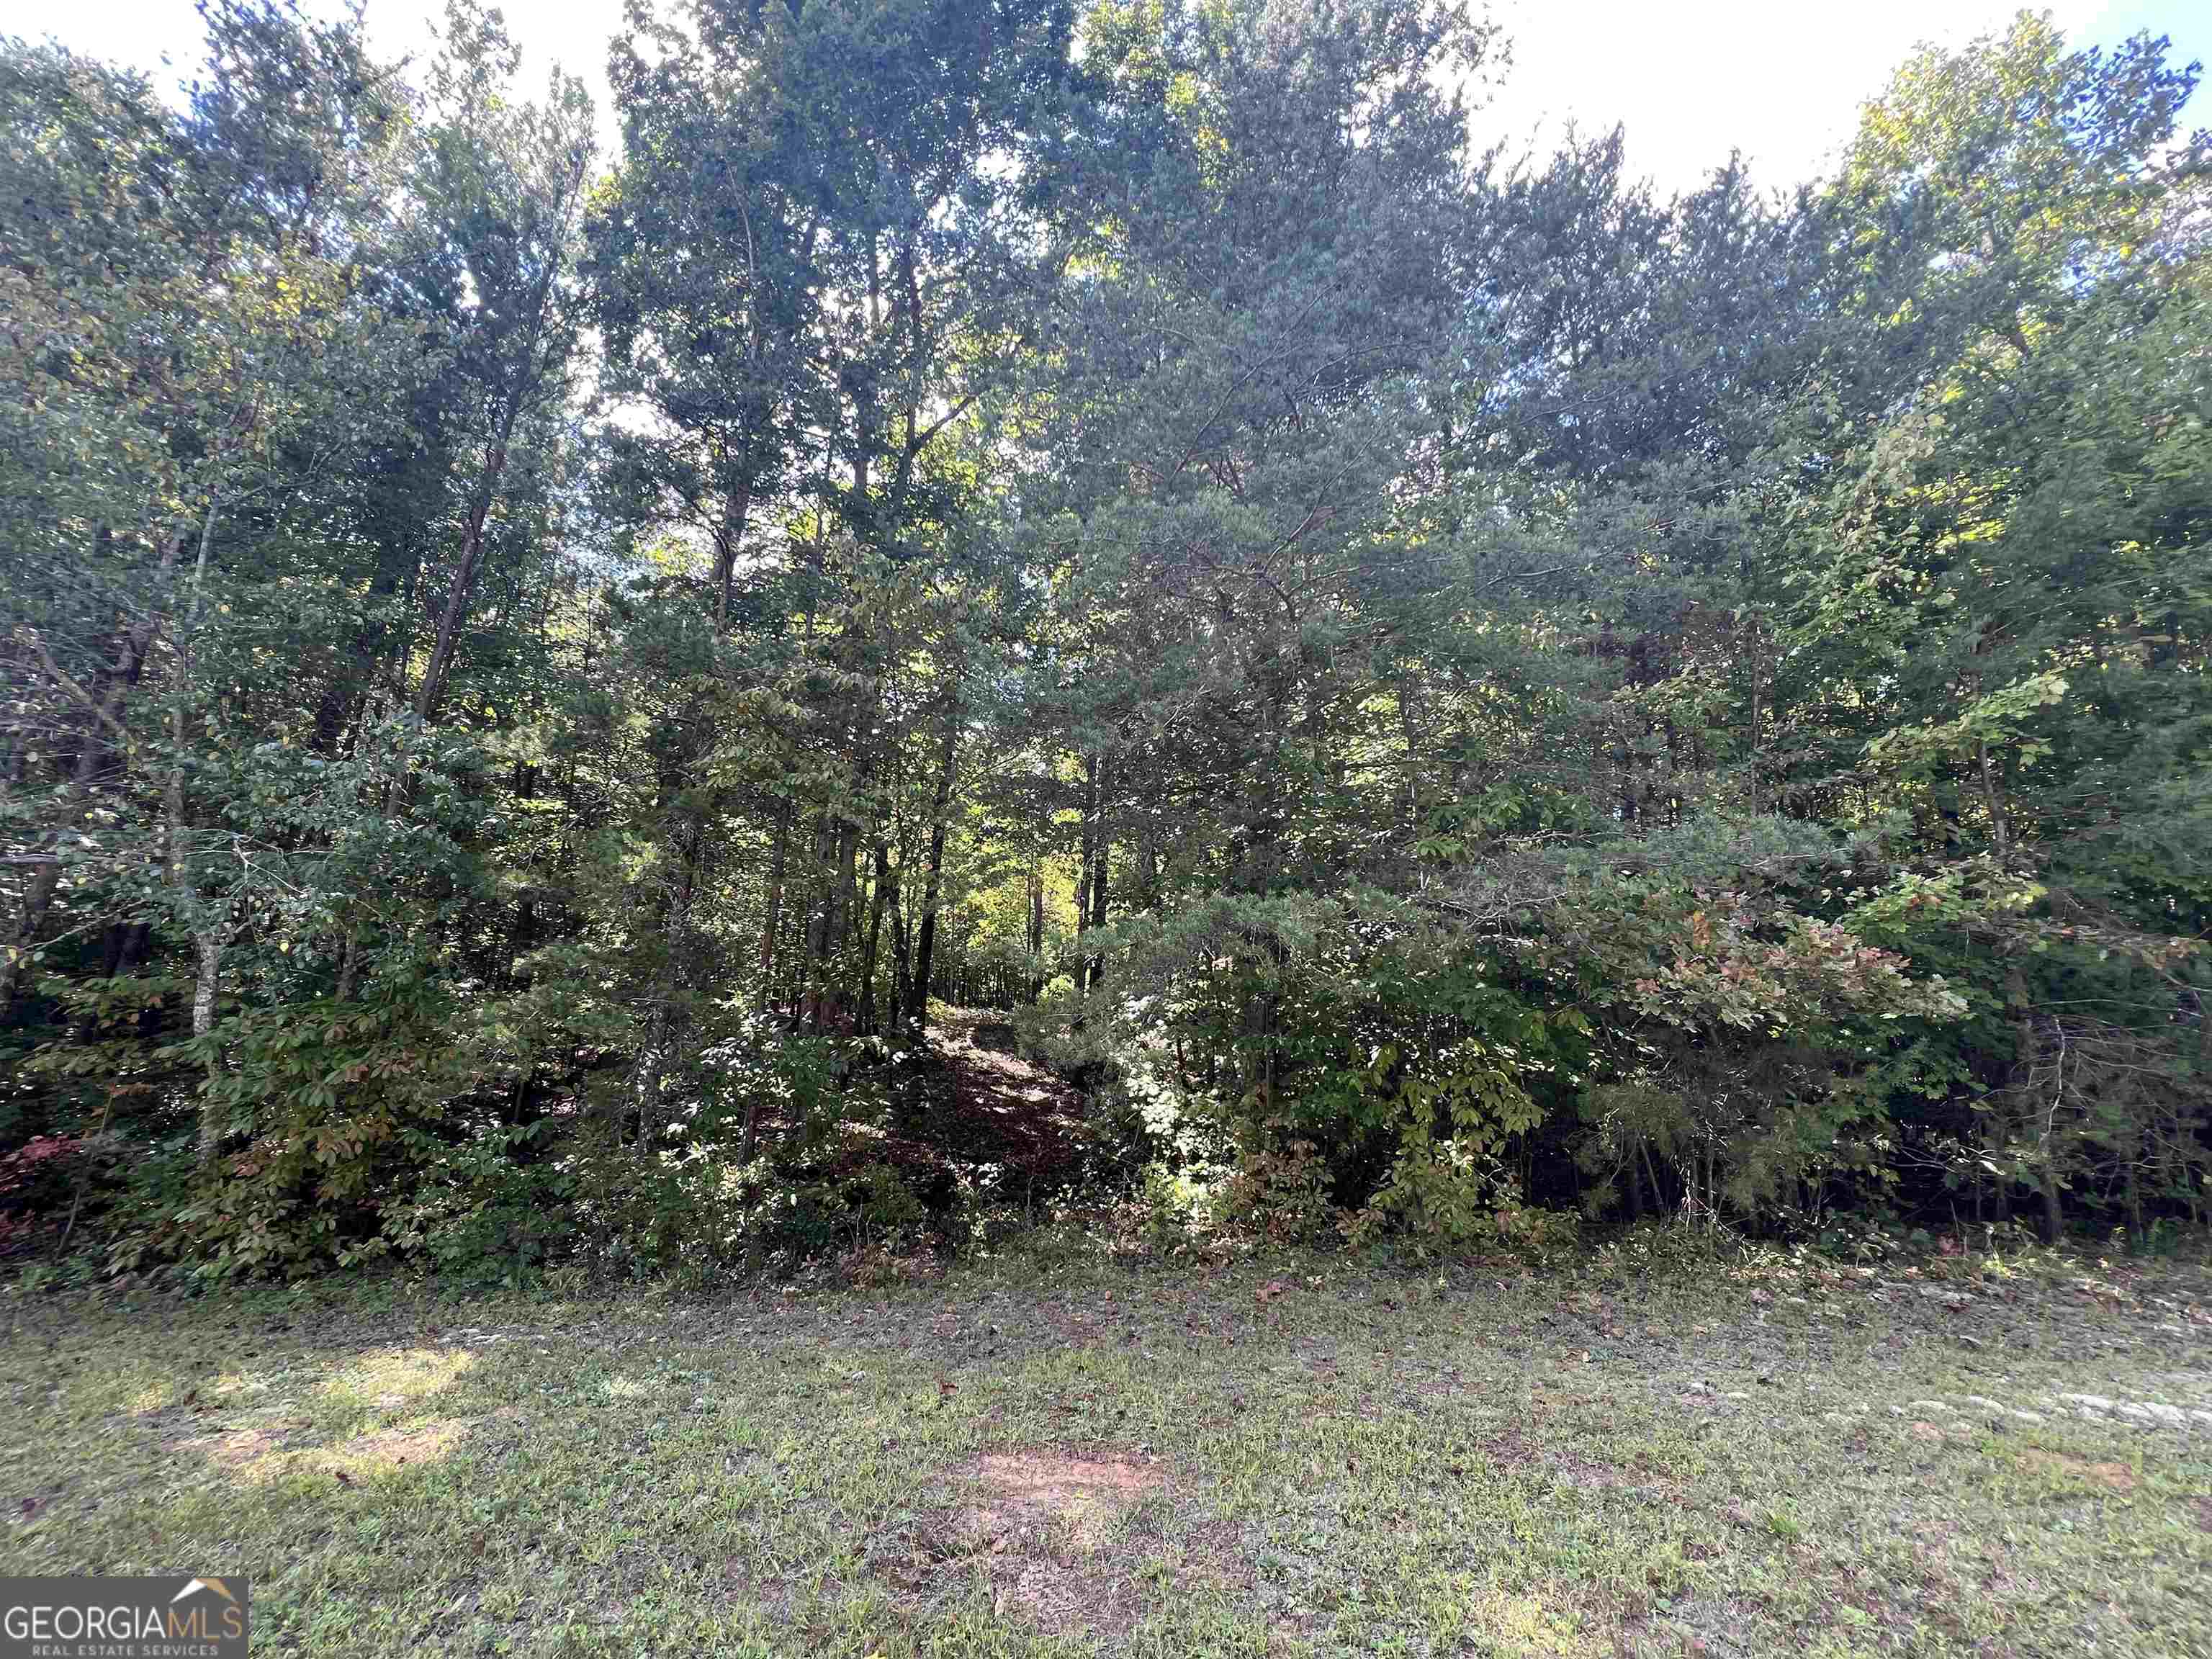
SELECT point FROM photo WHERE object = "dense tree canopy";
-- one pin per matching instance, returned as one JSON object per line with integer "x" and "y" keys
{"x": 1444, "y": 689}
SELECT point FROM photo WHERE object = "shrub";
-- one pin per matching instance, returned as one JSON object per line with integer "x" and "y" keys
{"x": 484, "y": 1208}
{"x": 1380, "y": 1070}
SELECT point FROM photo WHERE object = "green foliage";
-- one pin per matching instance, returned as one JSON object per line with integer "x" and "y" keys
{"x": 333, "y": 1106}
{"x": 1441, "y": 691}
{"x": 489, "y": 1207}
{"x": 1376, "y": 1076}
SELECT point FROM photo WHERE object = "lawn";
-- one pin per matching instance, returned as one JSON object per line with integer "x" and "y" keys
{"x": 1067, "y": 1455}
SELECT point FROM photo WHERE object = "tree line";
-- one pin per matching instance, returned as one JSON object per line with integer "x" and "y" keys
{"x": 1446, "y": 688}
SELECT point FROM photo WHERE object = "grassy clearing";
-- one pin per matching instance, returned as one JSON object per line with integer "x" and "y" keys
{"x": 1033, "y": 1458}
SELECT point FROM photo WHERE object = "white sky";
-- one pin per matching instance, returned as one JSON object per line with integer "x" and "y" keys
{"x": 1783, "y": 79}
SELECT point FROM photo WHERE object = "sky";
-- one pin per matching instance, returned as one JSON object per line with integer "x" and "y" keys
{"x": 1781, "y": 79}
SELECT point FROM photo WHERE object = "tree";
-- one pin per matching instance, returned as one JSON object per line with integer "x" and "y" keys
{"x": 1439, "y": 685}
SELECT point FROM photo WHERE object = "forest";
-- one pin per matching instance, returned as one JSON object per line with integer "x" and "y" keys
{"x": 1109, "y": 613}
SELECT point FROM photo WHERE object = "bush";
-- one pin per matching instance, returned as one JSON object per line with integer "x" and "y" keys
{"x": 1379, "y": 1073}
{"x": 484, "y": 1209}
{"x": 337, "y": 1105}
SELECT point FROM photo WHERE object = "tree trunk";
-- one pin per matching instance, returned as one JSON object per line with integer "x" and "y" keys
{"x": 1409, "y": 731}
{"x": 2000, "y": 827}
{"x": 1037, "y": 933}
{"x": 926, "y": 939}
{"x": 2048, "y": 1166}
{"x": 1085, "y": 860}
{"x": 772, "y": 927}
{"x": 881, "y": 884}
{"x": 727, "y": 540}
{"x": 1754, "y": 715}
{"x": 1100, "y": 855}
{"x": 817, "y": 926}
{"x": 172, "y": 792}
{"x": 844, "y": 895}
{"x": 901, "y": 962}
{"x": 349, "y": 963}
{"x": 432, "y": 691}
{"x": 206, "y": 941}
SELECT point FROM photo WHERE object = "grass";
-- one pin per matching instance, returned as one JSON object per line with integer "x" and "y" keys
{"x": 1032, "y": 1457}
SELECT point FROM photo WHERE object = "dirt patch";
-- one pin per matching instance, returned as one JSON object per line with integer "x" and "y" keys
{"x": 2107, "y": 1477}
{"x": 1075, "y": 1500}
{"x": 391, "y": 1447}
{"x": 2113, "y": 1477}
{"x": 240, "y": 1447}
{"x": 1040, "y": 1524}
{"x": 1505, "y": 1452}
{"x": 250, "y": 1447}
{"x": 262, "y": 1451}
